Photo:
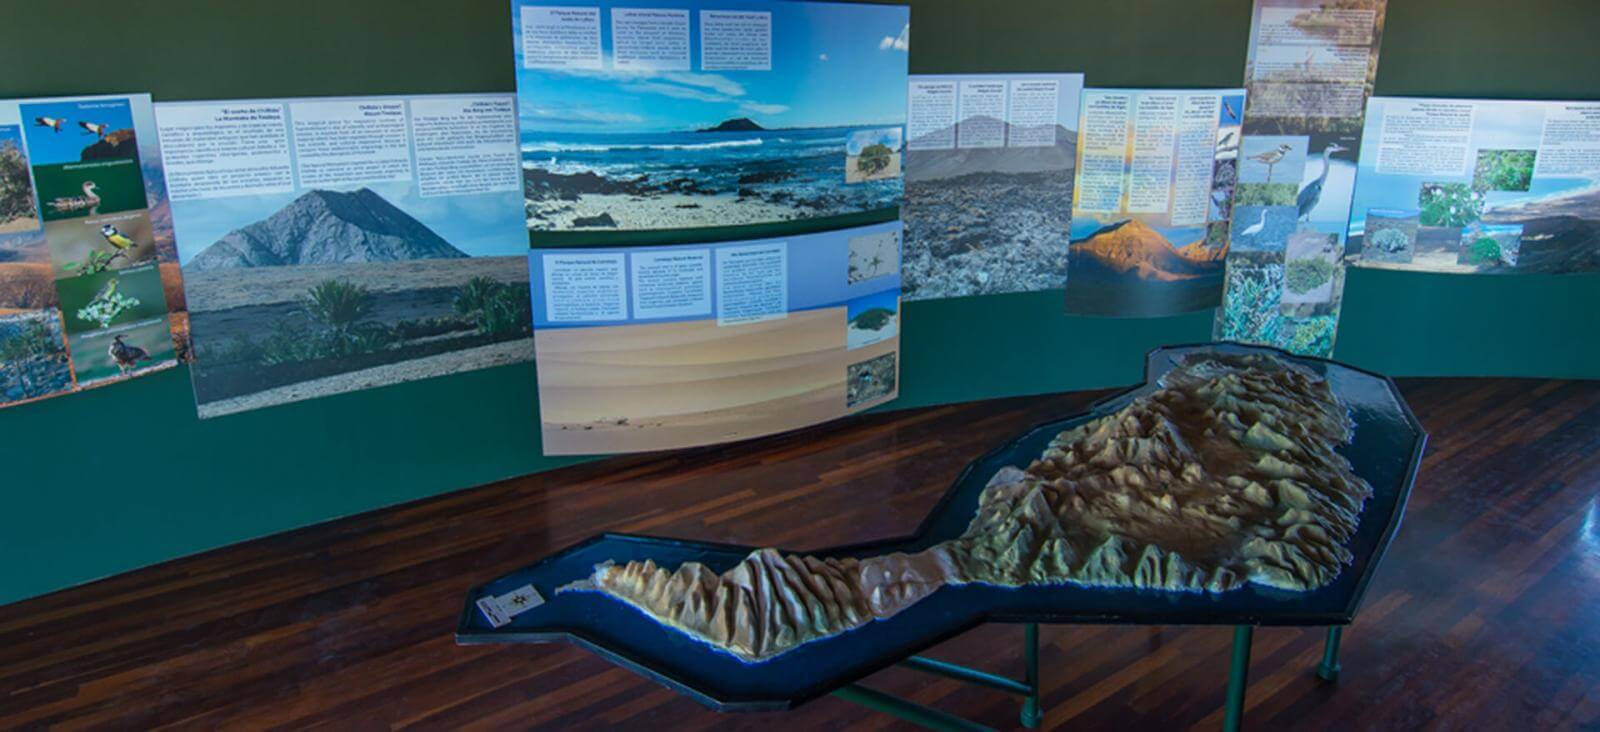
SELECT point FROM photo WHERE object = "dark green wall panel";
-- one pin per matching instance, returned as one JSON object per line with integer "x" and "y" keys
{"x": 122, "y": 477}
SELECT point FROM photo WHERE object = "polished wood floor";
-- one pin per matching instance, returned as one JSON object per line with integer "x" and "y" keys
{"x": 1485, "y": 615}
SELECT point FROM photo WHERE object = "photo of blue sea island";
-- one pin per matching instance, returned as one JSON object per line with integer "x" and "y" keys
{"x": 613, "y": 148}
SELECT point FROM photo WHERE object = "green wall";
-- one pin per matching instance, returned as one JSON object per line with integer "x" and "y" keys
{"x": 78, "y": 505}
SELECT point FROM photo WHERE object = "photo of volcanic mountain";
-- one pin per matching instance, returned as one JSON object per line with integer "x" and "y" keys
{"x": 336, "y": 291}
{"x": 1133, "y": 269}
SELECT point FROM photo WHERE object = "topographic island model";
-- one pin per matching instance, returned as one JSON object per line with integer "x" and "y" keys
{"x": 1226, "y": 474}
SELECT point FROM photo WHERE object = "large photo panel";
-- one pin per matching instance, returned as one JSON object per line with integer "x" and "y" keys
{"x": 702, "y": 119}
{"x": 669, "y": 346}
{"x": 1156, "y": 180}
{"x": 989, "y": 164}
{"x": 337, "y": 244}
{"x": 1478, "y": 186}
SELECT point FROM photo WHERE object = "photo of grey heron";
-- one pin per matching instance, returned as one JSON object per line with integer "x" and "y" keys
{"x": 1311, "y": 193}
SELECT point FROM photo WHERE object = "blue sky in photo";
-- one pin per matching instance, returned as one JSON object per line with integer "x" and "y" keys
{"x": 888, "y": 137}
{"x": 833, "y": 65}
{"x": 48, "y": 147}
{"x": 887, "y": 299}
{"x": 482, "y": 225}
{"x": 1230, "y": 111}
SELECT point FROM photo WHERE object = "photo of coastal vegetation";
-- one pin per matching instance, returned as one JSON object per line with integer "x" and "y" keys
{"x": 1504, "y": 170}
{"x": 1516, "y": 209}
{"x": 631, "y": 149}
{"x": 308, "y": 294}
{"x": 1311, "y": 269}
{"x": 1391, "y": 235}
{"x": 19, "y": 211}
{"x": 33, "y": 357}
{"x": 872, "y": 318}
{"x": 872, "y": 155}
{"x": 990, "y": 220}
{"x": 1488, "y": 246}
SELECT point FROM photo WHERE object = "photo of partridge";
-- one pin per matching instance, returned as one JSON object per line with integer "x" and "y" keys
{"x": 127, "y": 357}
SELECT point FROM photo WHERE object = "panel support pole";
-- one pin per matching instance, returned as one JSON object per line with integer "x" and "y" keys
{"x": 1328, "y": 670}
{"x": 1238, "y": 678}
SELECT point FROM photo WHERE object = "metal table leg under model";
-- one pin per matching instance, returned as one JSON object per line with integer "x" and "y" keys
{"x": 937, "y": 720}
{"x": 1238, "y": 678}
{"x": 1328, "y": 670}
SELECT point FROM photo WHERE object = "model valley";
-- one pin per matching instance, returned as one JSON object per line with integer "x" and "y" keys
{"x": 1227, "y": 474}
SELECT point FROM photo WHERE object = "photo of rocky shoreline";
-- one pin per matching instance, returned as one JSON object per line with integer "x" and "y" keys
{"x": 738, "y": 173}
{"x": 987, "y": 220}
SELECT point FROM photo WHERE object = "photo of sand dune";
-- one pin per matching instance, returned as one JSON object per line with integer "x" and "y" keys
{"x": 668, "y": 385}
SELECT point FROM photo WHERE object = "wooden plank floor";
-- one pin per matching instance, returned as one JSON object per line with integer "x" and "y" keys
{"x": 1485, "y": 615}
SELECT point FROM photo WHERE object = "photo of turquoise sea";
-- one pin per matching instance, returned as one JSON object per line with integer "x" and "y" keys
{"x": 609, "y": 149}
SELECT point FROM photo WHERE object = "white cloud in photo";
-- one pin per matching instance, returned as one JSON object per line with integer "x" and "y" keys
{"x": 901, "y": 43}
{"x": 764, "y": 109}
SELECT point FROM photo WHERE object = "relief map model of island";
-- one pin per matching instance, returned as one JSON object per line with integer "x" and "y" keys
{"x": 1225, "y": 475}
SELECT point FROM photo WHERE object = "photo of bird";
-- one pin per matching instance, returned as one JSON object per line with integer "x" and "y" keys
{"x": 1312, "y": 193}
{"x": 89, "y": 201}
{"x": 1228, "y": 141}
{"x": 116, "y": 238}
{"x": 1272, "y": 157}
{"x": 126, "y": 357}
{"x": 90, "y": 128}
{"x": 1228, "y": 108}
{"x": 1255, "y": 228}
{"x": 49, "y": 122}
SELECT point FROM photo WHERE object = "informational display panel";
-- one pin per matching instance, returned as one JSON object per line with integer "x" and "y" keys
{"x": 702, "y": 114}
{"x": 659, "y": 347}
{"x": 89, "y": 287}
{"x": 1150, "y": 208}
{"x": 337, "y": 244}
{"x": 1478, "y": 187}
{"x": 989, "y": 161}
{"x": 1310, "y": 69}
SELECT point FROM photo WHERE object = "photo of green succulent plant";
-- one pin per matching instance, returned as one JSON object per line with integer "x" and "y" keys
{"x": 1390, "y": 235}
{"x": 1449, "y": 204}
{"x": 1304, "y": 275}
{"x": 1503, "y": 170}
{"x": 1490, "y": 246}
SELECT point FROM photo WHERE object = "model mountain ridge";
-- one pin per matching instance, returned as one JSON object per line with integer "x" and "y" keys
{"x": 328, "y": 227}
{"x": 1133, "y": 246}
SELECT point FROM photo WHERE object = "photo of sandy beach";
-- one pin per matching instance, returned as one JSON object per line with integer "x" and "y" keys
{"x": 662, "y": 146}
{"x": 658, "y": 386}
